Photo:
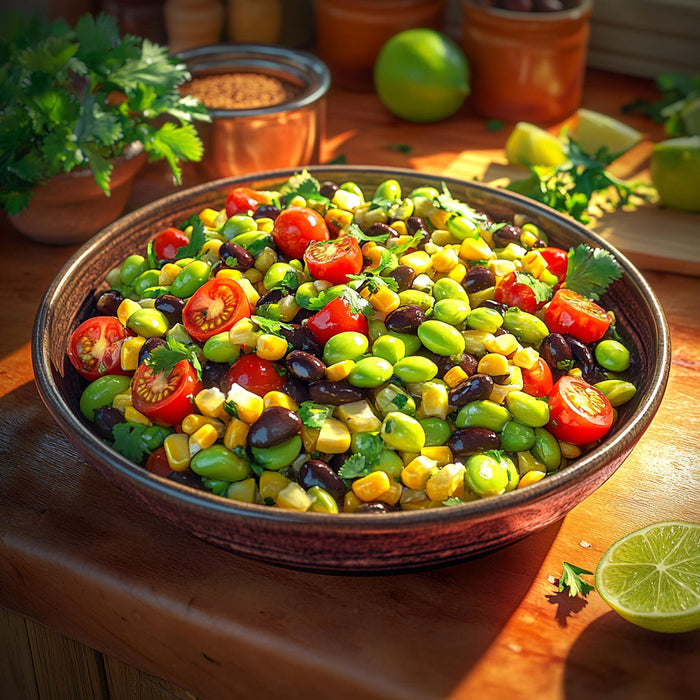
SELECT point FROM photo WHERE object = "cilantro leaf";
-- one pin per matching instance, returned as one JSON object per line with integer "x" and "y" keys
{"x": 590, "y": 271}
{"x": 401, "y": 248}
{"x": 543, "y": 292}
{"x": 353, "y": 467}
{"x": 165, "y": 357}
{"x": 356, "y": 303}
{"x": 448, "y": 203}
{"x": 453, "y": 501}
{"x": 127, "y": 440}
{"x": 312, "y": 414}
{"x": 302, "y": 184}
{"x": 356, "y": 232}
{"x": 197, "y": 239}
{"x": 270, "y": 325}
{"x": 373, "y": 281}
{"x": 571, "y": 579}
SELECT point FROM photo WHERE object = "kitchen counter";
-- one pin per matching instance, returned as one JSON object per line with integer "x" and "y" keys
{"x": 102, "y": 599}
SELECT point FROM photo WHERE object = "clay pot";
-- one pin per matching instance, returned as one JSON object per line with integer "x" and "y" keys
{"x": 71, "y": 207}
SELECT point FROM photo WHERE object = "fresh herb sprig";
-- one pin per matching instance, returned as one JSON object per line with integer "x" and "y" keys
{"x": 590, "y": 271}
{"x": 571, "y": 581}
{"x": 165, "y": 357}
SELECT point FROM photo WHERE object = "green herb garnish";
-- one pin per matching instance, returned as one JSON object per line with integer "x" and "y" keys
{"x": 165, "y": 357}
{"x": 312, "y": 414}
{"x": 590, "y": 271}
{"x": 571, "y": 580}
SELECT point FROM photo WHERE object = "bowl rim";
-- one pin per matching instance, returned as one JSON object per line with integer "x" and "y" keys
{"x": 196, "y": 500}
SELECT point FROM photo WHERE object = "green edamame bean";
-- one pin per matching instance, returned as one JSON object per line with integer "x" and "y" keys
{"x": 612, "y": 355}
{"x": 150, "y": 323}
{"x": 148, "y": 278}
{"x": 348, "y": 345}
{"x": 389, "y": 462}
{"x": 281, "y": 275}
{"x": 402, "y": 432}
{"x": 483, "y": 413}
{"x": 437, "y": 431}
{"x": 220, "y": 464}
{"x": 447, "y": 288}
{"x": 237, "y": 225}
{"x": 370, "y": 372}
{"x": 425, "y": 191}
{"x": 153, "y": 437}
{"x": 484, "y": 319}
{"x": 441, "y": 338}
{"x": 415, "y": 368}
{"x": 253, "y": 241}
{"x": 394, "y": 398}
{"x": 512, "y": 471}
{"x": 131, "y": 268}
{"x": 279, "y": 456}
{"x": 354, "y": 188}
{"x": 305, "y": 293}
{"x": 485, "y": 476}
{"x": 546, "y": 449}
{"x": 401, "y": 210}
{"x": 323, "y": 502}
{"x": 113, "y": 278}
{"x": 190, "y": 279}
{"x": 219, "y": 348}
{"x": 216, "y": 486}
{"x": 517, "y": 436}
{"x": 101, "y": 392}
{"x": 154, "y": 292}
{"x": 411, "y": 342}
{"x": 452, "y": 311}
{"x": 528, "y": 409}
{"x": 617, "y": 391}
{"x": 416, "y": 298}
{"x": 388, "y": 347}
{"x": 527, "y": 328}
{"x": 387, "y": 191}
{"x": 461, "y": 227}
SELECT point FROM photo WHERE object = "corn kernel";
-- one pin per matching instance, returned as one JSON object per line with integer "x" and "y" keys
{"x": 531, "y": 477}
{"x": 228, "y": 273}
{"x": 236, "y": 434}
{"x": 441, "y": 454}
{"x": 271, "y": 347}
{"x": 209, "y": 217}
{"x": 458, "y": 272}
{"x": 373, "y": 256}
{"x": 334, "y": 437}
{"x": 477, "y": 297}
{"x": 122, "y": 401}
{"x": 384, "y": 300}
{"x": 134, "y": 416}
{"x": 400, "y": 227}
{"x": 210, "y": 249}
{"x": 475, "y": 249}
{"x": 454, "y": 376}
{"x": 343, "y": 199}
{"x": 177, "y": 450}
{"x": 534, "y": 263}
{"x": 279, "y": 398}
{"x": 441, "y": 237}
{"x": 393, "y": 495}
{"x": 526, "y": 358}
{"x": 205, "y": 436}
{"x": 501, "y": 268}
{"x": 168, "y": 273}
{"x": 210, "y": 402}
{"x": 339, "y": 370}
{"x": 293, "y": 497}
{"x": 504, "y": 344}
{"x": 417, "y": 472}
{"x": 125, "y": 309}
{"x": 445, "y": 260}
{"x": 434, "y": 399}
{"x": 250, "y": 291}
{"x": 412, "y": 499}
{"x": 443, "y": 484}
{"x": 129, "y": 353}
{"x": 351, "y": 502}
{"x": 249, "y": 406}
{"x": 309, "y": 437}
{"x": 244, "y": 491}
{"x": 569, "y": 451}
{"x": 419, "y": 260}
{"x": 439, "y": 217}
{"x": 358, "y": 416}
{"x": 371, "y": 487}
{"x": 500, "y": 392}
{"x": 493, "y": 364}
{"x": 244, "y": 333}
{"x": 270, "y": 484}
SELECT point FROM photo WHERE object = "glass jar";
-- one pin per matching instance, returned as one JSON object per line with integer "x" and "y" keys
{"x": 526, "y": 66}
{"x": 350, "y": 33}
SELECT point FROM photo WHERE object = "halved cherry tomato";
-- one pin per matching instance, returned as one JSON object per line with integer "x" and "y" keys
{"x": 167, "y": 243}
{"x": 538, "y": 381}
{"x": 255, "y": 374}
{"x": 513, "y": 293}
{"x": 157, "y": 462}
{"x": 214, "y": 308}
{"x": 336, "y": 317}
{"x": 557, "y": 261}
{"x": 334, "y": 260}
{"x": 569, "y": 312}
{"x": 578, "y": 412}
{"x": 165, "y": 397}
{"x": 95, "y": 347}
{"x": 295, "y": 227}
{"x": 243, "y": 200}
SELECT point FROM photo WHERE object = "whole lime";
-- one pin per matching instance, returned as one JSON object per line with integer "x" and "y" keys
{"x": 675, "y": 172}
{"x": 421, "y": 75}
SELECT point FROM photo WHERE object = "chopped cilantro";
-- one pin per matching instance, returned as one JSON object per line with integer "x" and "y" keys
{"x": 165, "y": 357}
{"x": 590, "y": 271}
{"x": 231, "y": 408}
{"x": 353, "y": 467}
{"x": 453, "y": 501}
{"x": 127, "y": 441}
{"x": 197, "y": 239}
{"x": 543, "y": 292}
{"x": 356, "y": 232}
{"x": 313, "y": 415}
{"x": 571, "y": 580}
{"x": 302, "y": 184}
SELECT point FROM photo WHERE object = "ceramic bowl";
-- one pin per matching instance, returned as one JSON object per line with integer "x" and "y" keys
{"x": 347, "y": 543}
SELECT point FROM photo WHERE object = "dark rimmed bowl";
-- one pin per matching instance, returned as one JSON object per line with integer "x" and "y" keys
{"x": 347, "y": 543}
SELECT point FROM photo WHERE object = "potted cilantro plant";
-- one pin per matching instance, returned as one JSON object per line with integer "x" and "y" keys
{"x": 82, "y": 108}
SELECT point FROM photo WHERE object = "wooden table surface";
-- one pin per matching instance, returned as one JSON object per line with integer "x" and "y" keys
{"x": 81, "y": 558}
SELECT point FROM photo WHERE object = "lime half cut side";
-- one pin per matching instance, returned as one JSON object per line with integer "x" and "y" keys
{"x": 651, "y": 577}
{"x": 595, "y": 131}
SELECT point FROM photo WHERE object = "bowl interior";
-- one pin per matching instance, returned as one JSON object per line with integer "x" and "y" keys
{"x": 347, "y": 542}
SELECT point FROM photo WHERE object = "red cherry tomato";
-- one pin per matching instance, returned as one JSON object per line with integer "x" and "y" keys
{"x": 295, "y": 227}
{"x": 334, "y": 260}
{"x": 214, "y": 308}
{"x": 513, "y": 293}
{"x": 336, "y": 317}
{"x": 255, "y": 374}
{"x": 557, "y": 261}
{"x": 569, "y": 312}
{"x": 578, "y": 412}
{"x": 95, "y": 347}
{"x": 157, "y": 462}
{"x": 243, "y": 200}
{"x": 165, "y": 397}
{"x": 167, "y": 243}
{"x": 538, "y": 380}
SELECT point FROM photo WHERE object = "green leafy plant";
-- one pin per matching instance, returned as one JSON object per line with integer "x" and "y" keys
{"x": 76, "y": 97}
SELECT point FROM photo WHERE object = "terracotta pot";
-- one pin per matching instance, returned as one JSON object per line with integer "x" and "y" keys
{"x": 71, "y": 207}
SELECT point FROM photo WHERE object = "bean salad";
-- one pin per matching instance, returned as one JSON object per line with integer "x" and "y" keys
{"x": 319, "y": 348}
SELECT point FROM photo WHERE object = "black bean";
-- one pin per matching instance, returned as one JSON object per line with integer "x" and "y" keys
{"x": 467, "y": 440}
{"x": 380, "y": 229}
{"x": 236, "y": 256}
{"x": 580, "y": 352}
{"x": 296, "y": 390}
{"x": 171, "y": 306}
{"x": 305, "y": 366}
{"x": 374, "y": 507}
{"x": 507, "y": 234}
{"x": 105, "y": 418}
{"x": 315, "y": 472}
{"x": 328, "y": 189}
{"x": 405, "y": 319}
{"x": 108, "y": 302}
{"x": 300, "y": 338}
{"x": 468, "y": 363}
{"x": 414, "y": 225}
{"x": 276, "y": 425}
{"x": 274, "y": 296}
{"x": 266, "y": 211}
{"x": 404, "y": 276}
{"x": 555, "y": 352}
{"x": 334, "y": 393}
{"x": 479, "y": 278}
{"x": 495, "y": 305}
{"x": 214, "y": 375}
{"x": 187, "y": 478}
{"x": 149, "y": 346}
{"x": 474, "y": 388}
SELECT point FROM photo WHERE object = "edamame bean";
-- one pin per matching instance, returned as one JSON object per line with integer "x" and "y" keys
{"x": 447, "y": 288}
{"x": 402, "y": 432}
{"x": 441, "y": 338}
{"x": 150, "y": 323}
{"x": 452, "y": 311}
{"x": 281, "y": 275}
{"x": 148, "y": 278}
{"x": 348, "y": 345}
{"x": 220, "y": 464}
{"x": 484, "y": 319}
{"x": 101, "y": 392}
{"x": 131, "y": 268}
{"x": 394, "y": 398}
{"x": 437, "y": 431}
{"x": 546, "y": 449}
{"x": 528, "y": 409}
{"x": 190, "y": 279}
{"x": 461, "y": 227}
{"x": 517, "y": 436}
{"x": 279, "y": 456}
{"x": 237, "y": 225}
{"x": 390, "y": 348}
{"x": 617, "y": 391}
{"x": 323, "y": 502}
{"x": 527, "y": 328}
{"x": 387, "y": 191}
{"x": 389, "y": 462}
{"x": 253, "y": 241}
{"x": 485, "y": 476}
{"x": 415, "y": 368}
{"x": 413, "y": 297}
{"x": 612, "y": 355}
{"x": 219, "y": 348}
{"x": 483, "y": 414}
{"x": 370, "y": 372}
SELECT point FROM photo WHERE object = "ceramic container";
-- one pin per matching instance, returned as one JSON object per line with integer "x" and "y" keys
{"x": 350, "y": 542}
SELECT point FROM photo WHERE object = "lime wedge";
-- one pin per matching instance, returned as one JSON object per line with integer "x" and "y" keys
{"x": 651, "y": 577}
{"x": 529, "y": 145}
{"x": 675, "y": 172}
{"x": 594, "y": 131}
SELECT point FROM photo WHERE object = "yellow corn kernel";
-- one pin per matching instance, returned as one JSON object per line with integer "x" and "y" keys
{"x": 527, "y": 462}
{"x": 474, "y": 342}
{"x": 393, "y": 495}
{"x": 253, "y": 275}
{"x": 249, "y": 406}
{"x": 416, "y": 473}
{"x": 177, "y": 450}
{"x": 434, "y": 400}
{"x": 526, "y": 358}
{"x": 268, "y": 256}
{"x": 125, "y": 309}
{"x": 210, "y": 249}
{"x": 531, "y": 477}
{"x": 373, "y": 255}
{"x": 134, "y": 416}
{"x": 194, "y": 421}
{"x": 338, "y": 219}
{"x": 334, "y": 437}
{"x": 516, "y": 377}
{"x": 445, "y": 260}
{"x": 408, "y": 457}
{"x": 339, "y": 370}
{"x": 534, "y": 263}
{"x": 504, "y": 344}
{"x": 575, "y": 372}
{"x": 400, "y": 227}
{"x": 244, "y": 333}
{"x": 441, "y": 237}
{"x": 168, "y": 273}
{"x": 501, "y": 268}
{"x": 439, "y": 217}
{"x": 293, "y": 497}
{"x": 351, "y": 502}
{"x": 122, "y": 401}
{"x": 477, "y": 297}
{"x": 500, "y": 392}
{"x": 358, "y": 416}
{"x": 270, "y": 484}
{"x": 458, "y": 272}
{"x": 271, "y": 347}
{"x": 419, "y": 260}
{"x": 244, "y": 491}
{"x": 209, "y": 217}
{"x": 493, "y": 364}
{"x": 129, "y": 353}
{"x": 441, "y": 454}
{"x": 230, "y": 274}
{"x": 371, "y": 487}
{"x": 210, "y": 402}
{"x": 384, "y": 300}
{"x": 309, "y": 436}
{"x": 569, "y": 451}
{"x": 454, "y": 376}
{"x": 367, "y": 246}
{"x": 279, "y": 398}
{"x": 205, "y": 436}
{"x": 236, "y": 434}
{"x": 249, "y": 290}
{"x": 265, "y": 224}
{"x": 475, "y": 249}
{"x": 443, "y": 484}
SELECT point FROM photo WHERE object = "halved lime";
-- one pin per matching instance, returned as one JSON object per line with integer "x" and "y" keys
{"x": 595, "y": 130}
{"x": 675, "y": 172}
{"x": 651, "y": 577}
{"x": 528, "y": 144}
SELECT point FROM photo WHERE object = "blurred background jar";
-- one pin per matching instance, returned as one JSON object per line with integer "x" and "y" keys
{"x": 192, "y": 23}
{"x": 526, "y": 65}
{"x": 282, "y": 22}
{"x": 350, "y": 33}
